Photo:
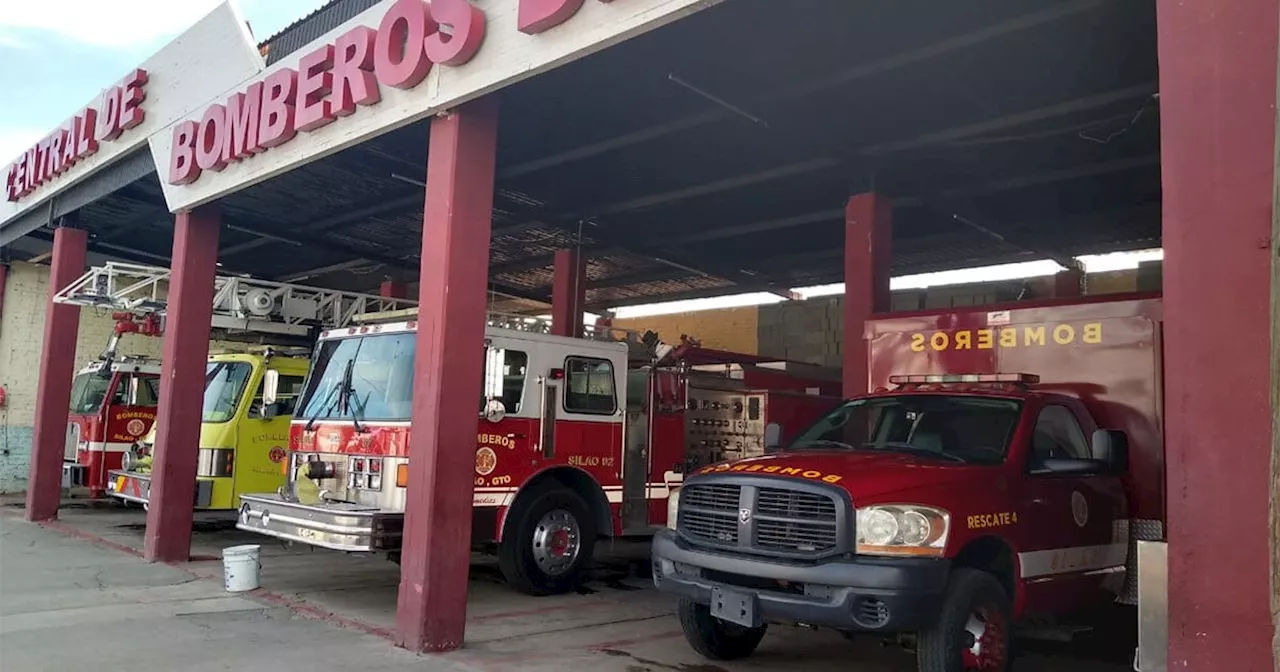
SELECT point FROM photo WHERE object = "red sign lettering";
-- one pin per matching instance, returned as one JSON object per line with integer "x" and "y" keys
{"x": 536, "y": 16}
{"x": 330, "y": 81}
{"x": 116, "y": 110}
{"x": 315, "y": 81}
{"x": 353, "y": 79}
{"x": 242, "y": 123}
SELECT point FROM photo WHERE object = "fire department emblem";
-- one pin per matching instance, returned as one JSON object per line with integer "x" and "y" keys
{"x": 486, "y": 461}
{"x": 276, "y": 454}
{"x": 334, "y": 441}
{"x": 1079, "y": 508}
{"x": 744, "y": 516}
{"x": 136, "y": 426}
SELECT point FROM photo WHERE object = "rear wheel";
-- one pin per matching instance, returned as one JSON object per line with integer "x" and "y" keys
{"x": 973, "y": 629}
{"x": 714, "y": 638}
{"x": 548, "y": 544}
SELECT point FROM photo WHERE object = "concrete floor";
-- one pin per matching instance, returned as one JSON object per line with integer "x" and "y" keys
{"x": 75, "y": 595}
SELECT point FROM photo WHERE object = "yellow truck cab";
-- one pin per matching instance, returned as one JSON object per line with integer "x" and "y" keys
{"x": 244, "y": 437}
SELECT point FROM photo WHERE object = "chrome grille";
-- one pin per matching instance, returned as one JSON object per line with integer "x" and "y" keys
{"x": 795, "y": 504}
{"x": 789, "y": 520}
{"x": 782, "y": 521}
{"x": 710, "y": 513}
{"x": 712, "y": 497}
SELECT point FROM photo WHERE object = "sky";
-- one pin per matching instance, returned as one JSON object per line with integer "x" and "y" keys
{"x": 57, "y": 55}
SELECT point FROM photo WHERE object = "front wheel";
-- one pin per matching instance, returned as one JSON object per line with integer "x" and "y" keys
{"x": 714, "y": 638}
{"x": 973, "y": 629}
{"x": 548, "y": 544}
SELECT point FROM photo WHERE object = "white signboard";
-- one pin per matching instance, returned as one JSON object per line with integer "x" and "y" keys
{"x": 213, "y": 55}
{"x": 391, "y": 65}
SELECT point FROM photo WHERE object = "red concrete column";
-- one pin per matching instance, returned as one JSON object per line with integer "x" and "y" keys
{"x": 1218, "y": 63}
{"x": 57, "y": 367}
{"x": 392, "y": 289}
{"x": 569, "y": 293}
{"x": 1068, "y": 284}
{"x": 432, "y": 605}
{"x": 185, "y": 350}
{"x": 868, "y": 228}
{"x": 4, "y": 275}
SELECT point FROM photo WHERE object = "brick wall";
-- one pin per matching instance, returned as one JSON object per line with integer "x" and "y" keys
{"x": 26, "y": 294}
{"x": 732, "y": 329}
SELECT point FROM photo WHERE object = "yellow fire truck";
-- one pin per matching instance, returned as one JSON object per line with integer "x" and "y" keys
{"x": 244, "y": 437}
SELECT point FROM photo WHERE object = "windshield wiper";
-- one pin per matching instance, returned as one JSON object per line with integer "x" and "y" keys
{"x": 902, "y": 446}
{"x": 326, "y": 407}
{"x": 349, "y": 401}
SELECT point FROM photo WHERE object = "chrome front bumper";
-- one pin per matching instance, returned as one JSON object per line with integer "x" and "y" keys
{"x": 339, "y": 526}
{"x": 132, "y": 486}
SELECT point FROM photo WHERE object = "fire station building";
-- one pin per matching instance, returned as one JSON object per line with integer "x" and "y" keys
{"x": 569, "y": 156}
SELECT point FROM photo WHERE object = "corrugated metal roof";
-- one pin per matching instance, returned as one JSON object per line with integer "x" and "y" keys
{"x": 301, "y": 32}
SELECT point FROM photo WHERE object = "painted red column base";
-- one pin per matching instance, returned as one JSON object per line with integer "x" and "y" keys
{"x": 185, "y": 351}
{"x": 57, "y": 368}
{"x": 431, "y": 610}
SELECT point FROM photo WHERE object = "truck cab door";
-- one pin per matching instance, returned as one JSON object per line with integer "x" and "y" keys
{"x": 1073, "y": 538}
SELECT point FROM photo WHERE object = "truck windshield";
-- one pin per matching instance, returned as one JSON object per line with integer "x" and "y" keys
{"x": 969, "y": 429}
{"x": 87, "y": 392}
{"x": 381, "y": 377}
{"x": 224, "y": 384}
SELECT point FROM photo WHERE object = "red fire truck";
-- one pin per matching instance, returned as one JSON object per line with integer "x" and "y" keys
{"x": 1003, "y": 468}
{"x": 113, "y": 404}
{"x": 577, "y": 437}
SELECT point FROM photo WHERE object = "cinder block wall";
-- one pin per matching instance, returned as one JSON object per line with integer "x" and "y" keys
{"x": 26, "y": 294}
{"x": 732, "y": 329}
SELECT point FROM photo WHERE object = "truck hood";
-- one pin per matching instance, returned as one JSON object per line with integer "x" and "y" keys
{"x": 864, "y": 474}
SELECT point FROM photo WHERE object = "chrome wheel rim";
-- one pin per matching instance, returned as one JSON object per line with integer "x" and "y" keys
{"x": 557, "y": 542}
{"x": 986, "y": 633}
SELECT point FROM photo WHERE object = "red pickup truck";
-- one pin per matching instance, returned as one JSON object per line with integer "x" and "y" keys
{"x": 1002, "y": 468}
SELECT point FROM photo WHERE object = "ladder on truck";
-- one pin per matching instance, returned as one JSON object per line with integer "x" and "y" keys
{"x": 240, "y": 304}
{"x": 643, "y": 346}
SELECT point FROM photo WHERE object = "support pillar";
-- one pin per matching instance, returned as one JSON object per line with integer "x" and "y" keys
{"x": 1218, "y": 70}
{"x": 392, "y": 289}
{"x": 1068, "y": 284}
{"x": 868, "y": 228}
{"x": 57, "y": 367}
{"x": 184, "y": 353}
{"x": 434, "y": 562}
{"x": 569, "y": 293}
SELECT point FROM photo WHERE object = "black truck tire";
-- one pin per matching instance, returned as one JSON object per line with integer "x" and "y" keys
{"x": 714, "y": 638}
{"x": 974, "y": 598}
{"x": 538, "y": 535}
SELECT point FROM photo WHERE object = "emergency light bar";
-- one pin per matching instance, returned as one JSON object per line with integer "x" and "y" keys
{"x": 937, "y": 378}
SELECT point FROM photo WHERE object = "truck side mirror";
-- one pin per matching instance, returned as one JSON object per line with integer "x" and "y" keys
{"x": 132, "y": 393}
{"x": 772, "y": 437}
{"x": 270, "y": 388}
{"x": 1111, "y": 446}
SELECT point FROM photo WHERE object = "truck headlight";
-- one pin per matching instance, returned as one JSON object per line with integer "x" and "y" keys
{"x": 902, "y": 529}
{"x": 673, "y": 508}
{"x": 126, "y": 460}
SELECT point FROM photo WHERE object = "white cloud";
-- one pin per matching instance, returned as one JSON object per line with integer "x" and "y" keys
{"x": 118, "y": 23}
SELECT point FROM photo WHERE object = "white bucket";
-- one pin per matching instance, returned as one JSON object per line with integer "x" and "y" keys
{"x": 240, "y": 568}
